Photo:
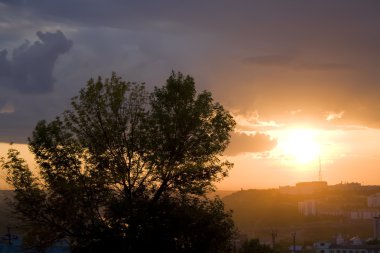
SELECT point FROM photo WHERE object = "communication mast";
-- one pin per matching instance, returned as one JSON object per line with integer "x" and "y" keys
{"x": 320, "y": 169}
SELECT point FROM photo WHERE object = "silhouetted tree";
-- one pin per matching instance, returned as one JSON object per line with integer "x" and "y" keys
{"x": 125, "y": 170}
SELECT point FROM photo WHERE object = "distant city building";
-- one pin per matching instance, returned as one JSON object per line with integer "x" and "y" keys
{"x": 297, "y": 248}
{"x": 376, "y": 228}
{"x": 364, "y": 248}
{"x": 374, "y": 200}
{"x": 339, "y": 239}
{"x": 308, "y": 207}
{"x": 304, "y": 188}
{"x": 354, "y": 245}
{"x": 363, "y": 214}
{"x": 322, "y": 247}
{"x": 311, "y": 208}
{"x": 356, "y": 210}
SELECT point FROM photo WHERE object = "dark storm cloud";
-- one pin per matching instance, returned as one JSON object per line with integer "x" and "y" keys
{"x": 270, "y": 57}
{"x": 244, "y": 143}
{"x": 31, "y": 68}
{"x": 5, "y": 65}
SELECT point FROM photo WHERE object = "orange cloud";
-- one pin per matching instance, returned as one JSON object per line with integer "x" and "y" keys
{"x": 245, "y": 143}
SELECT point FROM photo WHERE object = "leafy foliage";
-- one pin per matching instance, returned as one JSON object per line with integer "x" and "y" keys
{"x": 127, "y": 170}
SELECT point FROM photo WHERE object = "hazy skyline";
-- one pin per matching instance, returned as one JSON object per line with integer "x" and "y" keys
{"x": 300, "y": 77}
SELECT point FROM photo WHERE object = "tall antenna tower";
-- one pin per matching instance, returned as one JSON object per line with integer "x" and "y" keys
{"x": 320, "y": 169}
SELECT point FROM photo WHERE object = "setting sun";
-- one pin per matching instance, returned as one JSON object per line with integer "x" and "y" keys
{"x": 300, "y": 144}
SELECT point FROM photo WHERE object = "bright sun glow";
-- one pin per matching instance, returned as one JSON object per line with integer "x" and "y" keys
{"x": 300, "y": 144}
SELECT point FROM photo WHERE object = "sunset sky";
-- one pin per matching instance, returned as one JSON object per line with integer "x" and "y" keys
{"x": 301, "y": 78}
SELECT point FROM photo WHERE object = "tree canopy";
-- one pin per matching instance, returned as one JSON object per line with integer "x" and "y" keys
{"x": 128, "y": 170}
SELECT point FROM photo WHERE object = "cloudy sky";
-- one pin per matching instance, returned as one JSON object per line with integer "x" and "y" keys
{"x": 278, "y": 66}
